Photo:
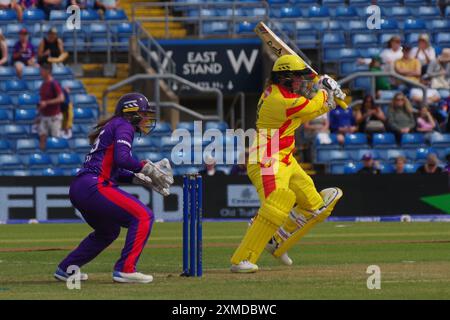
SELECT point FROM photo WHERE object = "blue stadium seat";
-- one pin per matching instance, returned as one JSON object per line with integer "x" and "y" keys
{"x": 348, "y": 67}
{"x": 363, "y": 40}
{"x": 389, "y": 24}
{"x": 152, "y": 156}
{"x": 385, "y": 37}
{"x": 322, "y": 25}
{"x": 440, "y": 140}
{"x": 391, "y": 154}
{"x": 89, "y": 15}
{"x": 290, "y": 12}
{"x": 326, "y": 141}
{"x": 122, "y": 28}
{"x": 326, "y": 156}
{"x": 62, "y": 72}
{"x": 49, "y": 172}
{"x": 333, "y": 54}
{"x": 6, "y": 116}
{"x": 96, "y": 30}
{"x": 84, "y": 115}
{"x": 115, "y": 15}
{"x": 363, "y": 83}
{"x": 216, "y": 27}
{"x": 34, "y": 85}
{"x": 398, "y": 12}
{"x": 386, "y": 168}
{"x": 162, "y": 128}
{"x": 354, "y": 26}
{"x": 66, "y": 160}
{"x": 81, "y": 145}
{"x": 357, "y": 154}
{"x": 5, "y": 146}
{"x": 355, "y": 140}
{"x": 383, "y": 140}
{"x": 438, "y": 25}
{"x": 10, "y": 161}
{"x": 188, "y": 125}
{"x": 75, "y": 86}
{"x": 352, "y": 168}
{"x": 31, "y": 73}
{"x": 57, "y": 145}
{"x": 411, "y": 167}
{"x": 333, "y": 39}
{"x": 58, "y": 15}
{"x": 69, "y": 43}
{"x": 14, "y": 131}
{"x": 39, "y": 160}
{"x": 421, "y": 154}
{"x": 14, "y": 86}
{"x": 71, "y": 172}
{"x": 84, "y": 99}
{"x": 167, "y": 144}
{"x": 428, "y": 12}
{"x": 7, "y": 73}
{"x": 369, "y": 52}
{"x": 318, "y": 12}
{"x": 25, "y": 116}
{"x": 447, "y": 11}
{"x": 336, "y": 168}
{"x": 33, "y": 15}
{"x": 414, "y": 24}
{"x": 5, "y": 101}
{"x": 412, "y": 140}
{"x": 143, "y": 143}
{"x": 7, "y": 15}
{"x": 412, "y": 38}
{"x": 219, "y": 125}
{"x": 28, "y": 100}
{"x": 443, "y": 39}
{"x": 343, "y": 12}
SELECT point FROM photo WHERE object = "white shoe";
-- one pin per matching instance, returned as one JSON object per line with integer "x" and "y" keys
{"x": 135, "y": 277}
{"x": 244, "y": 267}
{"x": 284, "y": 258}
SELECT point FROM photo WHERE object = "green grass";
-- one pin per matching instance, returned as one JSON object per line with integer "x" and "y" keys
{"x": 329, "y": 263}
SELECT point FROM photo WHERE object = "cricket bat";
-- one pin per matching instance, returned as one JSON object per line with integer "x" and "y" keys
{"x": 279, "y": 48}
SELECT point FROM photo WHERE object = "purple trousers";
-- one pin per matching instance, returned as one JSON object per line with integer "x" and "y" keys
{"x": 106, "y": 208}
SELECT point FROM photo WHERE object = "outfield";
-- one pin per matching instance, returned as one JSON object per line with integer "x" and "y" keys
{"x": 330, "y": 263}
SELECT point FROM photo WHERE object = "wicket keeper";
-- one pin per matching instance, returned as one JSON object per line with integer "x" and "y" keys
{"x": 288, "y": 101}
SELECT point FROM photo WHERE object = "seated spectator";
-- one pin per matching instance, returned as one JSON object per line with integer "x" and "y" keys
{"x": 13, "y": 5}
{"x": 48, "y": 5}
{"x": 372, "y": 117}
{"x": 51, "y": 98}
{"x": 431, "y": 166}
{"x": 369, "y": 165}
{"x": 51, "y": 48}
{"x": 3, "y": 50}
{"x": 210, "y": 167}
{"x": 27, "y": 4}
{"x": 342, "y": 121}
{"x": 400, "y": 118}
{"x": 439, "y": 71}
{"x": 389, "y": 55}
{"x": 424, "y": 52}
{"x": 106, "y": 4}
{"x": 400, "y": 165}
{"x": 23, "y": 53}
{"x": 425, "y": 121}
{"x": 408, "y": 66}
{"x": 416, "y": 95}
{"x": 312, "y": 128}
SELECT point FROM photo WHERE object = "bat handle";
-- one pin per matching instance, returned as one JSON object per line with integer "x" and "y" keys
{"x": 341, "y": 103}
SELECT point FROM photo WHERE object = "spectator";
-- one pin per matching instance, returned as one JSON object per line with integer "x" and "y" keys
{"x": 431, "y": 166}
{"x": 24, "y": 5}
{"x": 51, "y": 98}
{"x": 372, "y": 117}
{"x": 425, "y": 121}
{"x": 342, "y": 121}
{"x": 48, "y": 5}
{"x": 381, "y": 83}
{"x": 3, "y": 50}
{"x": 51, "y": 48}
{"x": 369, "y": 165}
{"x": 408, "y": 66}
{"x": 424, "y": 52}
{"x": 400, "y": 118}
{"x": 311, "y": 129}
{"x": 106, "y": 4}
{"x": 210, "y": 167}
{"x": 439, "y": 71}
{"x": 400, "y": 165}
{"x": 12, "y": 5}
{"x": 392, "y": 53}
{"x": 23, "y": 53}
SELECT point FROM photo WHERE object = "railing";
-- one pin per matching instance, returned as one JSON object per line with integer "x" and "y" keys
{"x": 240, "y": 96}
{"x": 374, "y": 75}
{"x": 157, "y": 95}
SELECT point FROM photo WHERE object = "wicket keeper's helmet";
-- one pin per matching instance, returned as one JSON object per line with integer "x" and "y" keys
{"x": 138, "y": 111}
{"x": 289, "y": 67}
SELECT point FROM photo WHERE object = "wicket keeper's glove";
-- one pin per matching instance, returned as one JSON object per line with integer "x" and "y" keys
{"x": 143, "y": 180}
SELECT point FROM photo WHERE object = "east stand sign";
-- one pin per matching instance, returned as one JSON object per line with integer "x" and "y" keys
{"x": 231, "y": 65}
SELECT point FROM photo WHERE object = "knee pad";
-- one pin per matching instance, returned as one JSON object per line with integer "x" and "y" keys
{"x": 277, "y": 205}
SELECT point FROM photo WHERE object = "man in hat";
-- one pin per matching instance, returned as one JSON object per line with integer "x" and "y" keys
{"x": 424, "y": 52}
{"x": 439, "y": 71}
{"x": 23, "y": 52}
{"x": 51, "y": 48}
{"x": 369, "y": 165}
